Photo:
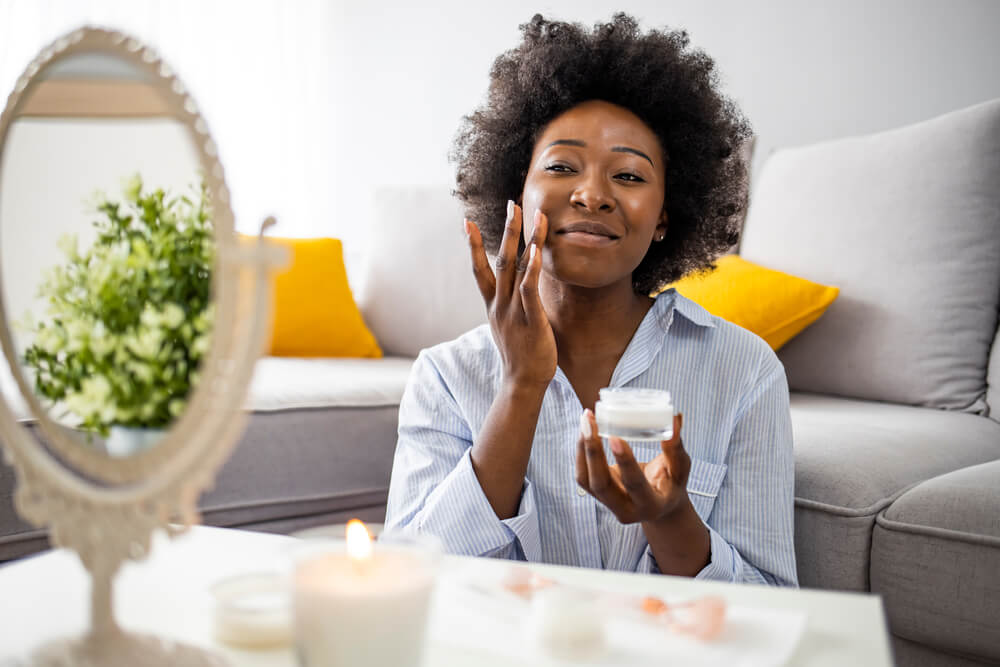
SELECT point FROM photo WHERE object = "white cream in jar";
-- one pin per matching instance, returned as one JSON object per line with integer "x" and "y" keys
{"x": 633, "y": 413}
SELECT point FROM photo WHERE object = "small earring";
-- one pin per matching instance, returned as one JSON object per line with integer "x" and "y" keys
{"x": 661, "y": 236}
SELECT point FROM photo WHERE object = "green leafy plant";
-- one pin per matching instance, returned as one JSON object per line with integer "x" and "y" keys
{"x": 130, "y": 317}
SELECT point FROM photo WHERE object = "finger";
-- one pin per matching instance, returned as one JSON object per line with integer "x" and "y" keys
{"x": 540, "y": 231}
{"x": 678, "y": 463}
{"x": 631, "y": 473}
{"x": 534, "y": 229}
{"x": 531, "y": 302}
{"x": 582, "y": 476}
{"x": 506, "y": 262}
{"x": 598, "y": 474}
{"x": 480, "y": 264}
{"x": 668, "y": 446}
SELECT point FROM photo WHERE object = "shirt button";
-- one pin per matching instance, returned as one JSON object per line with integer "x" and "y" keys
{"x": 580, "y": 491}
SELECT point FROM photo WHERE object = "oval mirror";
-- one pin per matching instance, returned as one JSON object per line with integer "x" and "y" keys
{"x": 126, "y": 317}
{"x": 106, "y": 257}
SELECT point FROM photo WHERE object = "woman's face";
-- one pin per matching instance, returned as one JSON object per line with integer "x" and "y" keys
{"x": 597, "y": 172}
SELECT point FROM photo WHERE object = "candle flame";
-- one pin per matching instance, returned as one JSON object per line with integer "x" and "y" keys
{"x": 359, "y": 541}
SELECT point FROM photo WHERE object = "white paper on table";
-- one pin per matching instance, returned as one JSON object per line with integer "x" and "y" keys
{"x": 476, "y": 614}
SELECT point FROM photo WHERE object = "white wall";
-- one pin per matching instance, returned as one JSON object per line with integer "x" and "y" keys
{"x": 802, "y": 72}
{"x": 315, "y": 103}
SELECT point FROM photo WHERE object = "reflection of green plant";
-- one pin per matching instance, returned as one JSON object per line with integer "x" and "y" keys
{"x": 130, "y": 317}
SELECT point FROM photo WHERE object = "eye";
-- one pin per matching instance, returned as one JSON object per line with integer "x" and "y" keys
{"x": 558, "y": 168}
{"x": 630, "y": 177}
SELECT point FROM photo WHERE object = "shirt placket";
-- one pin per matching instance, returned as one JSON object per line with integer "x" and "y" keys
{"x": 636, "y": 359}
{"x": 583, "y": 505}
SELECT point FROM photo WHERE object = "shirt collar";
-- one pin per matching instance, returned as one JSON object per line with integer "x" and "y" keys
{"x": 671, "y": 301}
{"x": 648, "y": 340}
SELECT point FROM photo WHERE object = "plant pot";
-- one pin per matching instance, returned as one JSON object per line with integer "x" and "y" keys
{"x": 128, "y": 441}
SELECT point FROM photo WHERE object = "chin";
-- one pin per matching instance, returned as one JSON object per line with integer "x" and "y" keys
{"x": 582, "y": 274}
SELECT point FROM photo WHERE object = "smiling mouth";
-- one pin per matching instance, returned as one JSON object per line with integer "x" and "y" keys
{"x": 587, "y": 228}
{"x": 587, "y": 233}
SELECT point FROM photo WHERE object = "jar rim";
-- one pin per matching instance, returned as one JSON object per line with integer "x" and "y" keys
{"x": 634, "y": 395}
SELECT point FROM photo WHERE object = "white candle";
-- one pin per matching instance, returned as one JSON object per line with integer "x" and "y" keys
{"x": 359, "y": 604}
{"x": 634, "y": 414}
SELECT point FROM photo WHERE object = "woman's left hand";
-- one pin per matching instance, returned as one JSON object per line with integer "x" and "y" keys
{"x": 632, "y": 490}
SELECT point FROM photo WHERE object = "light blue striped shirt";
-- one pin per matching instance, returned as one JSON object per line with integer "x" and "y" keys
{"x": 737, "y": 429}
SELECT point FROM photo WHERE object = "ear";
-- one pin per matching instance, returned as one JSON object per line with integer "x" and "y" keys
{"x": 661, "y": 227}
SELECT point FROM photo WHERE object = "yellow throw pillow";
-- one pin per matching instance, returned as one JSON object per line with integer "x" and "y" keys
{"x": 774, "y": 305}
{"x": 314, "y": 311}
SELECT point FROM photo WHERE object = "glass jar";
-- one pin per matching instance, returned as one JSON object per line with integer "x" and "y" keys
{"x": 635, "y": 414}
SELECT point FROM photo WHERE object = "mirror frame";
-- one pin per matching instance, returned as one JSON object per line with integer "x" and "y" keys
{"x": 103, "y": 507}
{"x": 180, "y": 107}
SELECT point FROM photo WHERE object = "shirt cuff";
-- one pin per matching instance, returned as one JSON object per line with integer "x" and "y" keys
{"x": 460, "y": 515}
{"x": 724, "y": 563}
{"x": 721, "y": 565}
{"x": 525, "y": 524}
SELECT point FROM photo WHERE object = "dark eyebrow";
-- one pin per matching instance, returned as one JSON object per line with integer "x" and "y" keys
{"x": 626, "y": 149}
{"x": 615, "y": 149}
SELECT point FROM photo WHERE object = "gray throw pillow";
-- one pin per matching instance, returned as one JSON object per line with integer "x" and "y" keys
{"x": 907, "y": 224}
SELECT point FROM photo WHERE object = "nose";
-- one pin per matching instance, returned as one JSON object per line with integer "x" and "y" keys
{"x": 592, "y": 195}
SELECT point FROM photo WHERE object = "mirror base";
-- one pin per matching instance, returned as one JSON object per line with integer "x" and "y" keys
{"x": 123, "y": 649}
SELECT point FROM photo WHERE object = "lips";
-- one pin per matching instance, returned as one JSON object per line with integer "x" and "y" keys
{"x": 587, "y": 228}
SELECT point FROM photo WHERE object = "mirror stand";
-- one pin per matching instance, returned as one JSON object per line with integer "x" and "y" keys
{"x": 122, "y": 648}
{"x": 105, "y": 508}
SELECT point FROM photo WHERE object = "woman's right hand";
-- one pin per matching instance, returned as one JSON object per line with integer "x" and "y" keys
{"x": 518, "y": 321}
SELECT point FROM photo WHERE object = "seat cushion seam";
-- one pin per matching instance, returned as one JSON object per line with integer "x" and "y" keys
{"x": 934, "y": 531}
{"x": 870, "y": 510}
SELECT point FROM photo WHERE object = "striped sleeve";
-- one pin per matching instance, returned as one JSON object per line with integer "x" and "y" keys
{"x": 434, "y": 488}
{"x": 751, "y": 525}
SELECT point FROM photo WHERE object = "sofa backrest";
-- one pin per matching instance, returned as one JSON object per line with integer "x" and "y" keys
{"x": 907, "y": 224}
{"x": 417, "y": 287}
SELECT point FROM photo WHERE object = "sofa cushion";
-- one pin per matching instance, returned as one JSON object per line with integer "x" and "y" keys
{"x": 774, "y": 305}
{"x": 417, "y": 288}
{"x": 17, "y": 537}
{"x": 913, "y": 654}
{"x": 852, "y": 458}
{"x": 905, "y": 223}
{"x": 935, "y": 560}
{"x": 300, "y": 467}
{"x": 281, "y": 383}
{"x": 314, "y": 310}
{"x": 317, "y": 449}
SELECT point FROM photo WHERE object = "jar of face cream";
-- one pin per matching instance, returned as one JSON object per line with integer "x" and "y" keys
{"x": 635, "y": 414}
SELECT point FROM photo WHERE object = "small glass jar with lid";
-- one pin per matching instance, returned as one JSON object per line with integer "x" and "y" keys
{"x": 633, "y": 413}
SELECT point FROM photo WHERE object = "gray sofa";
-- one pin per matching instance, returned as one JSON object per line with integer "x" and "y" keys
{"x": 895, "y": 390}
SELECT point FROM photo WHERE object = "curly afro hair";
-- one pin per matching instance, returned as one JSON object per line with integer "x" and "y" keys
{"x": 656, "y": 76}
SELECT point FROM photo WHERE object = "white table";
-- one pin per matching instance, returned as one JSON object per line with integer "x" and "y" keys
{"x": 47, "y": 597}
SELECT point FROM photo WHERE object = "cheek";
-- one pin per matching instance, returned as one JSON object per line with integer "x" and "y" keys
{"x": 648, "y": 210}
{"x": 536, "y": 197}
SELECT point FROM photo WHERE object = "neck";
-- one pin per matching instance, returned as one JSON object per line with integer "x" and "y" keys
{"x": 592, "y": 323}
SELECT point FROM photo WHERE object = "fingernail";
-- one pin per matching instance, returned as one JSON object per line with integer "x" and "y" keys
{"x": 538, "y": 215}
{"x": 468, "y": 228}
{"x": 531, "y": 252}
{"x": 510, "y": 208}
{"x": 616, "y": 446}
{"x": 585, "y": 424}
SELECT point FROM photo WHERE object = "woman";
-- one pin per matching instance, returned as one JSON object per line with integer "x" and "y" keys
{"x": 616, "y": 154}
